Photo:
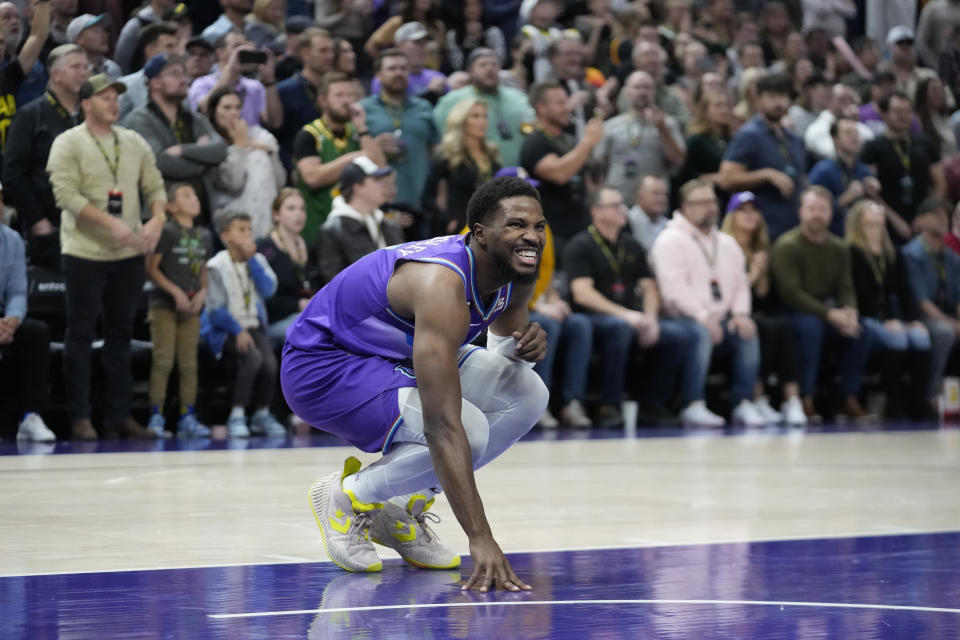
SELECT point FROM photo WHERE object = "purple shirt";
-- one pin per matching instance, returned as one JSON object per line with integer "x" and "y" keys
{"x": 417, "y": 84}
{"x": 252, "y": 92}
{"x": 352, "y": 312}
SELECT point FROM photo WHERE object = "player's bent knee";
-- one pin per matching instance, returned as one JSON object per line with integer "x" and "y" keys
{"x": 477, "y": 428}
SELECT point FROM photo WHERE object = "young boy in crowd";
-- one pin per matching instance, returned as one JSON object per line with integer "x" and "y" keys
{"x": 178, "y": 269}
{"x": 239, "y": 281}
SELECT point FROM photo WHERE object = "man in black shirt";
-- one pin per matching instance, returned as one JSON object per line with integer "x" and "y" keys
{"x": 905, "y": 163}
{"x": 551, "y": 156}
{"x": 611, "y": 282}
{"x": 26, "y": 181}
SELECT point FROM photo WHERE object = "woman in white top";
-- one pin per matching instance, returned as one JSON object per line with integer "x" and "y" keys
{"x": 252, "y": 175}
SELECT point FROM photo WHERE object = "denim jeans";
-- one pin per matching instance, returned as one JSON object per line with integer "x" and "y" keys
{"x": 812, "y": 334}
{"x": 942, "y": 336}
{"x": 277, "y": 331}
{"x": 614, "y": 338}
{"x": 913, "y": 338}
{"x": 745, "y": 355}
{"x": 575, "y": 332}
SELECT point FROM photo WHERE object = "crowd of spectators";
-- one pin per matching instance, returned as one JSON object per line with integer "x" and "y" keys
{"x": 764, "y": 189}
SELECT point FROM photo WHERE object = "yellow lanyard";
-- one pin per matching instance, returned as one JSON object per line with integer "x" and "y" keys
{"x": 615, "y": 261}
{"x": 247, "y": 284}
{"x": 115, "y": 165}
{"x": 902, "y": 153}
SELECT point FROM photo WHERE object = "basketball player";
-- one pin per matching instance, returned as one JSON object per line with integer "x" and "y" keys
{"x": 436, "y": 406}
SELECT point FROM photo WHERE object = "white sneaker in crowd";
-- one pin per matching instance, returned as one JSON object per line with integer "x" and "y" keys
{"x": 547, "y": 421}
{"x": 793, "y": 413}
{"x": 574, "y": 415}
{"x": 748, "y": 415}
{"x": 34, "y": 429}
{"x": 771, "y": 415}
{"x": 697, "y": 414}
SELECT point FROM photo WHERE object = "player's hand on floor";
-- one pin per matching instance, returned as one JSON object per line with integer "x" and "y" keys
{"x": 491, "y": 569}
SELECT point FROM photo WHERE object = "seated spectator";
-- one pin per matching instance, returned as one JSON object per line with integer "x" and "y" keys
{"x": 185, "y": 143}
{"x": 934, "y": 117}
{"x": 702, "y": 278}
{"x": 510, "y": 107}
{"x": 157, "y": 38}
{"x": 24, "y": 342}
{"x": 471, "y": 33}
{"x": 298, "y": 93}
{"x": 556, "y": 160}
{"x": 767, "y": 159}
{"x": 412, "y": 39}
{"x": 403, "y": 125}
{"x": 325, "y": 146}
{"x": 935, "y": 281}
{"x": 611, "y": 282}
{"x": 844, "y": 176}
{"x": 356, "y": 225}
{"x": 90, "y": 32}
{"x": 889, "y": 312}
{"x": 425, "y": 12}
{"x": 293, "y": 264}
{"x": 29, "y": 139}
{"x": 844, "y": 102}
{"x": 129, "y": 52}
{"x": 709, "y": 134}
{"x": 811, "y": 269}
{"x": 252, "y": 174}
{"x": 235, "y": 322}
{"x": 744, "y": 223}
{"x": 178, "y": 269}
{"x": 648, "y": 216}
{"x": 906, "y": 165}
{"x": 264, "y": 23}
{"x": 261, "y": 104}
{"x": 464, "y": 161}
{"x": 233, "y": 18}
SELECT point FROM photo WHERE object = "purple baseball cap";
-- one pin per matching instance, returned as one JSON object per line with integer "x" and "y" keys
{"x": 517, "y": 172}
{"x": 740, "y": 199}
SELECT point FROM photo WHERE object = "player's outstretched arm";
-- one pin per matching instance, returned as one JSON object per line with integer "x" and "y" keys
{"x": 433, "y": 295}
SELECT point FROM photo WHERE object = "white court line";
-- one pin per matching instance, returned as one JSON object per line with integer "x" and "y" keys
{"x": 452, "y": 605}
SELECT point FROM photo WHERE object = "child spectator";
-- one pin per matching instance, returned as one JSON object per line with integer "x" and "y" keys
{"x": 178, "y": 269}
{"x": 235, "y": 322}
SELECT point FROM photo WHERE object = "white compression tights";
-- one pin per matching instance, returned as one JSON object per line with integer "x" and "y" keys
{"x": 502, "y": 400}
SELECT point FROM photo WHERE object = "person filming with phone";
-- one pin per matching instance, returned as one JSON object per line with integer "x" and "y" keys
{"x": 249, "y": 71}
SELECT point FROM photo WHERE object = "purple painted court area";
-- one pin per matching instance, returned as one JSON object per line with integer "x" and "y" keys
{"x": 877, "y": 588}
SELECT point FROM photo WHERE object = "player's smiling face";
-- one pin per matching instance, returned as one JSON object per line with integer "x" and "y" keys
{"x": 516, "y": 244}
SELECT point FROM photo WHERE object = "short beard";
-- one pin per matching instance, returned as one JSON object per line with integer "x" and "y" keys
{"x": 507, "y": 272}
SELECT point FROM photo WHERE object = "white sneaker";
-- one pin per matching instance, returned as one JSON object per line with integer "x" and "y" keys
{"x": 771, "y": 415}
{"x": 793, "y": 412}
{"x": 697, "y": 414}
{"x": 406, "y": 531}
{"x": 574, "y": 415}
{"x": 547, "y": 421}
{"x": 33, "y": 428}
{"x": 746, "y": 414}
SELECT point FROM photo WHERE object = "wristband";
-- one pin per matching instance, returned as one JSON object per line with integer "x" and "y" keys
{"x": 505, "y": 346}
{"x": 365, "y": 132}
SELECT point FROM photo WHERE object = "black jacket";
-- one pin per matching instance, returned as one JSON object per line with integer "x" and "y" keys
{"x": 343, "y": 241}
{"x": 890, "y": 299}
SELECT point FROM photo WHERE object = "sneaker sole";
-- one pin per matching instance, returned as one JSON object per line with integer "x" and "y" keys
{"x": 318, "y": 494}
{"x": 454, "y": 564}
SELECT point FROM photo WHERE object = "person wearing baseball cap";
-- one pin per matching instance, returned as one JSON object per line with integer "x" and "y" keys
{"x": 412, "y": 39}
{"x": 903, "y": 63}
{"x": 356, "y": 226}
{"x": 92, "y": 33}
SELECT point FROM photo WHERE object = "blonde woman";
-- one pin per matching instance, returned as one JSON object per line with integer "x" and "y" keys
{"x": 744, "y": 222}
{"x": 888, "y": 310}
{"x": 265, "y": 22}
{"x": 464, "y": 161}
{"x": 747, "y": 107}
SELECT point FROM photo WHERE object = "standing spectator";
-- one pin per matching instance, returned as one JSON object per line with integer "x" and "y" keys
{"x": 540, "y": 25}
{"x": 885, "y": 15}
{"x": 744, "y": 223}
{"x": 90, "y": 32}
{"x": 464, "y": 161}
{"x": 178, "y": 269}
{"x": 829, "y": 15}
{"x": 937, "y": 22}
{"x": 767, "y": 159}
{"x": 811, "y": 269}
{"x": 294, "y": 266}
{"x": 905, "y": 164}
{"x": 179, "y": 16}
{"x": 644, "y": 141}
{"x": 233, "y": 18}
{"x": 24, "y": 341}
{"x": 935, "y": 281}
{"x": 889, "y": 311}
{"x": 903, "y": 63}
{"x": 290, "y": 62}
{"x": 710, "y": 133}
{"x": 472, "y": 33}
{"x": 882, "y": 84}
{"x": 402, "y": 125}
{"x": 200, "y": 58}
{"x": 611, "y": 282}
{"x": 261, "y": 104}
{"x": 519, "y": 73}
{"x": 844, "y": 102}
{"x": 131, "y": 36}
{"x": 344, "y": 57}
{"x": 509, "y": 109}
{"x": 652, "y": 58}
{"x": 648, "y": 215}
{"x": 156, "y": 38}
{"x": 264, "y": 23}
{"x": 356, "y": 225}
{"x": 868, "y": 53}
{"x": 99, "y": 171}
{"x": 702, "y": 278}
{"x": 948, "y": 66}
{"x": 425, "y": 12}
{"x": 413, "y": 40}
{"x": 30, "y": 137}
{"x": 844, "y": 176}
{"x": 350, "y": 19}
{"x": 325, "y": 146}
{"x": 298, "y": 93}
{"x": 251, "y": 175}
{"x": 934, "y": 117}
{"x": 952, "y": 238}
{"x": 15, "y": 72}
{"x": 566, "y": 61}
{"x": 235, "y": 322}
{"x": 553, "y": 158}
{"x": 812, "y": 101}
{"x": 186, "y": 146}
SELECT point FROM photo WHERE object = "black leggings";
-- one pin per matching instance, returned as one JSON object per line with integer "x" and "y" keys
{"x": 778, "y": 348}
